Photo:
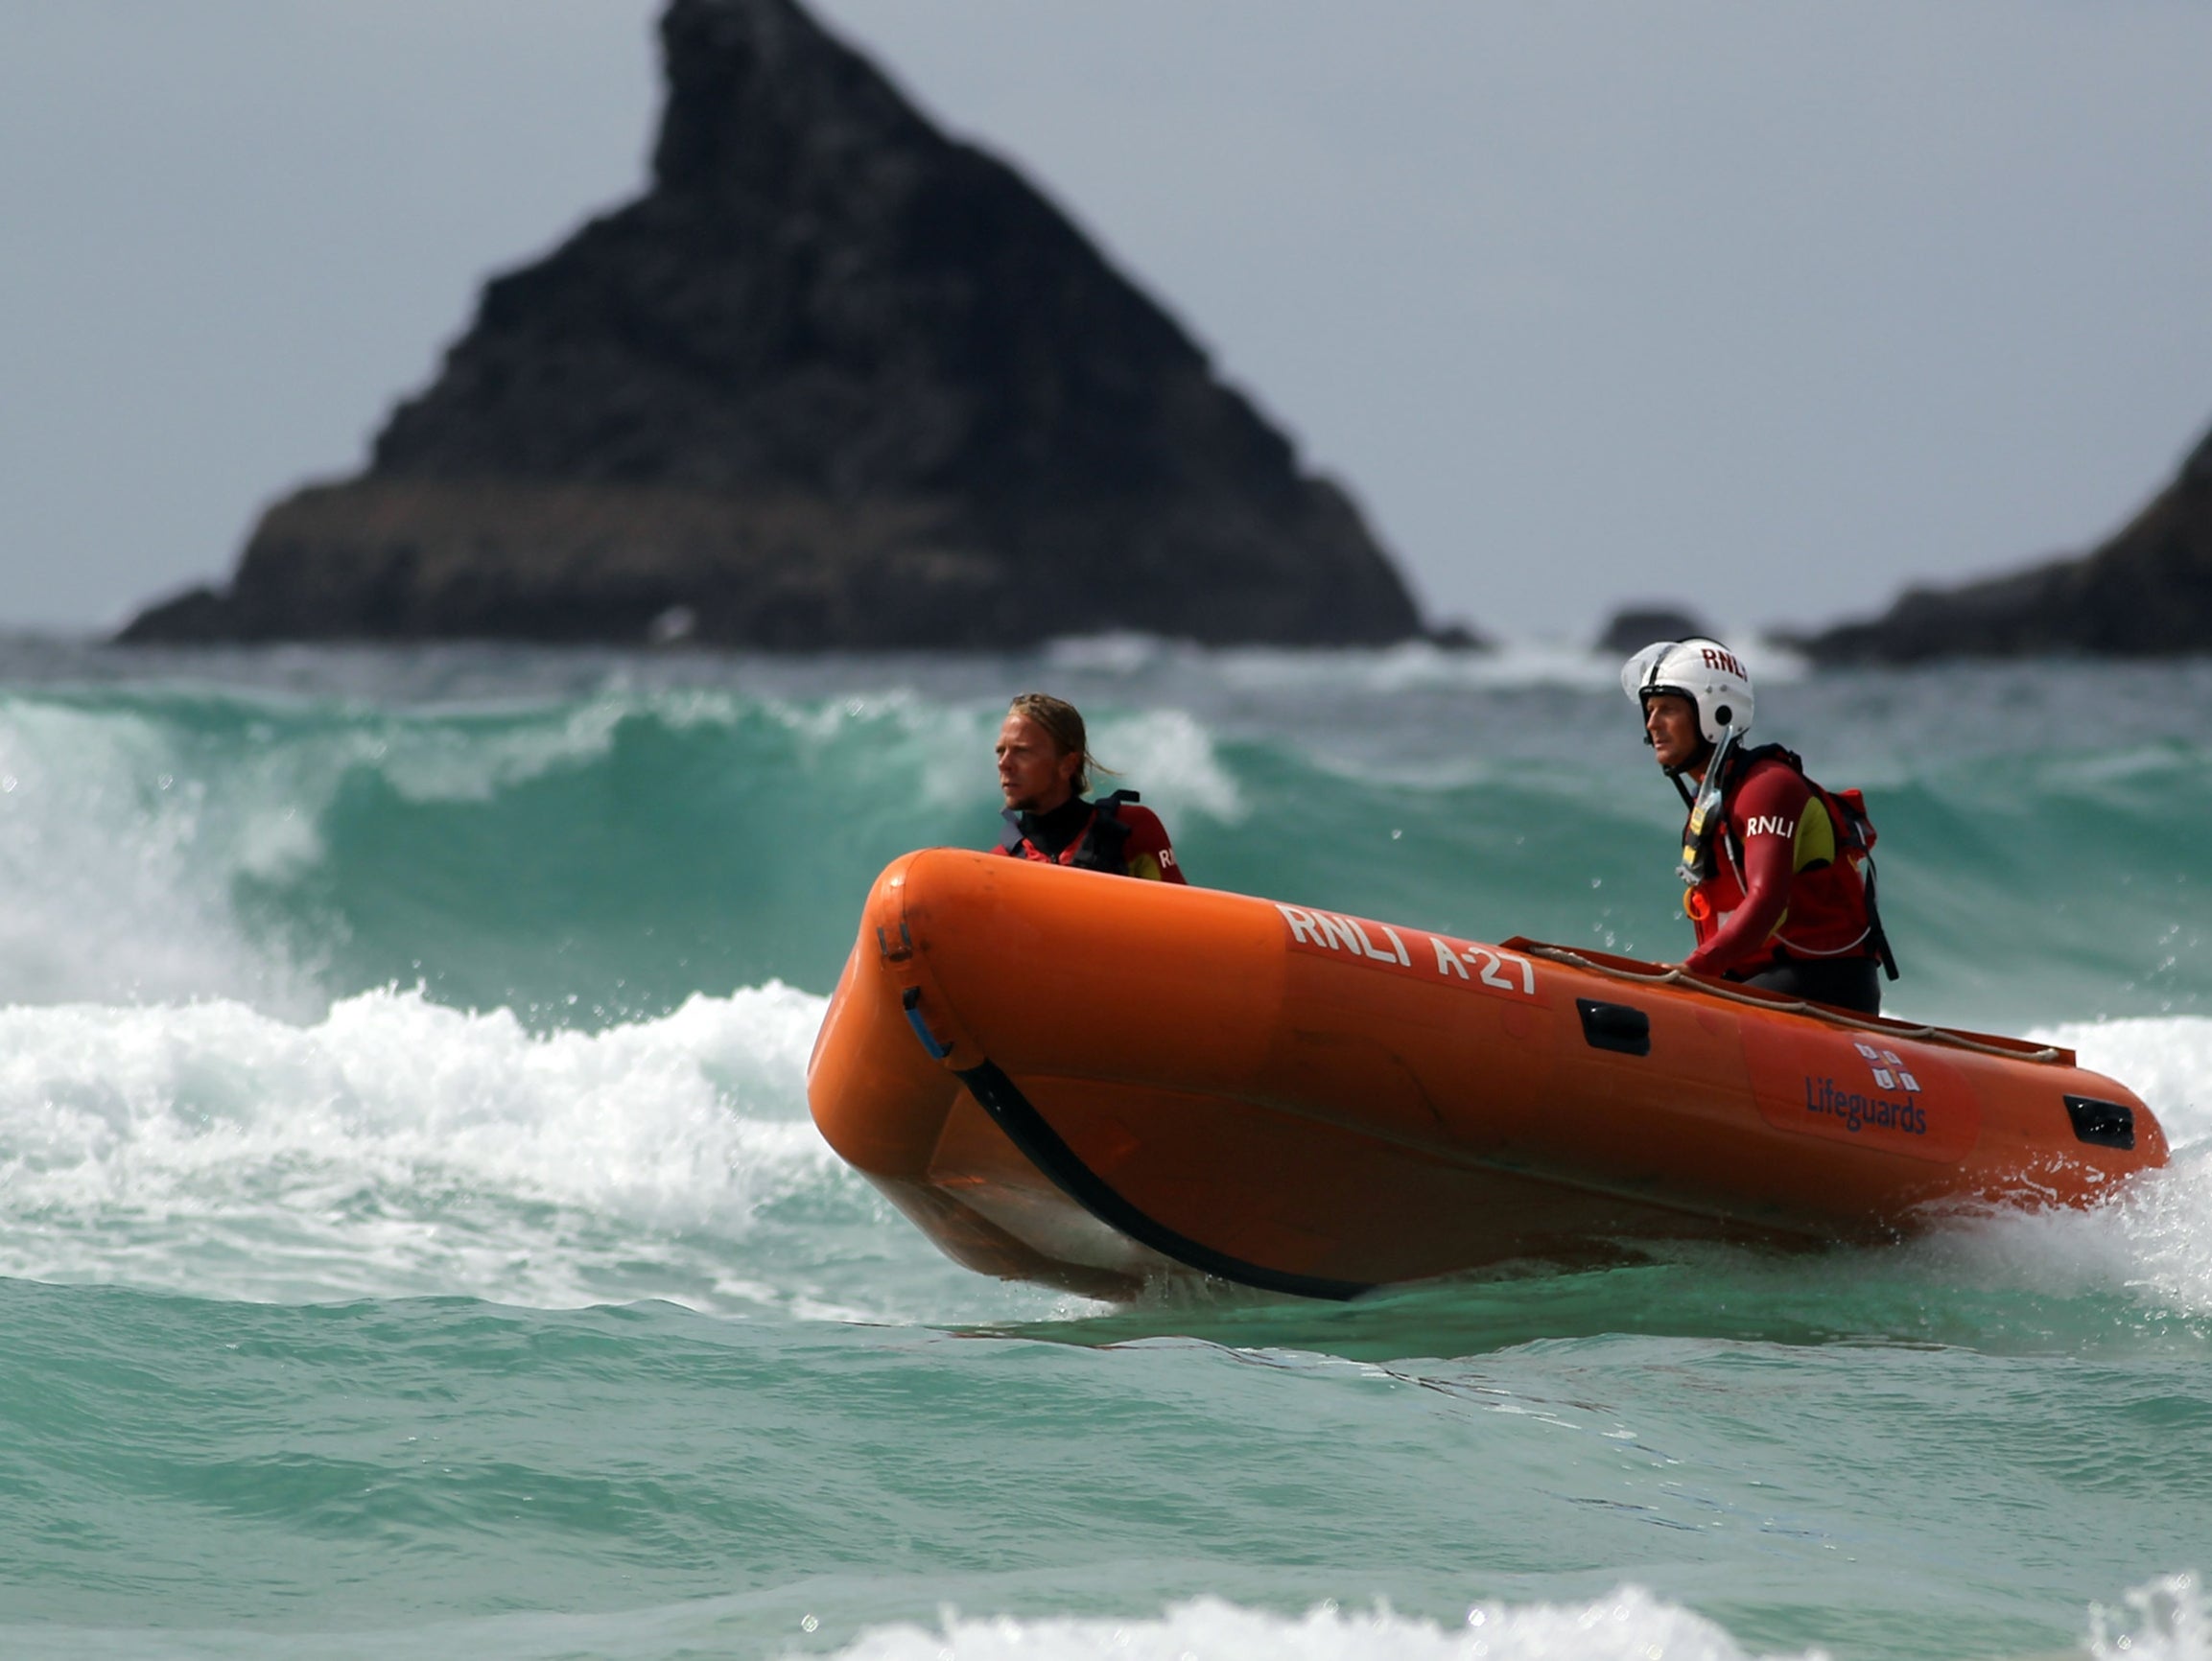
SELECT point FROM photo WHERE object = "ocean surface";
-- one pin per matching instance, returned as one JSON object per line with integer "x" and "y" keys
{"x": 413, "y": 1242}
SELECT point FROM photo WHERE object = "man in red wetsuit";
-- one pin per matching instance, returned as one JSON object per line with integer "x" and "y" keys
{"x": 1045, "y": 766}
{"x": 1781, "y": 893}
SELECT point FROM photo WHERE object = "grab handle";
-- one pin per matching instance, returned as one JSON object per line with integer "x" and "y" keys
{"x": 1614, "y": 1026}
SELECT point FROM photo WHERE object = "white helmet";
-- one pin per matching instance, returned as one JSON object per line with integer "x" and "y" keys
{"x": 1704, "y": 672}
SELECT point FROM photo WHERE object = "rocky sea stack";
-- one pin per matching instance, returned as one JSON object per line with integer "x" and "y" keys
{"x": 2146, "y": 593}
{"x": 833, "y": 380}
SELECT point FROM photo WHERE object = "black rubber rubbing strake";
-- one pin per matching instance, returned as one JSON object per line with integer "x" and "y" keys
{"x": 1043, "y": 1147}
{"x": 1614, "y": 1026}
{"x": 2107, "y": 1124}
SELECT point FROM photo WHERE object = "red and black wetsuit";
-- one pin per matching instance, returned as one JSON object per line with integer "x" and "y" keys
{"x": 1112, "y": 834}
{"x": 1778, "y": 907}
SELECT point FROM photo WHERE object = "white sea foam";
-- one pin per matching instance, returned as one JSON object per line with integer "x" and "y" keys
{"x": 1523, "y": 661}
{"x": 2152, "y": 1240}
{"x": 1124, "y": 653}
{"x": 1173, "y": 756}
{"x": 2163, "y": 1621}
{"x": 465, "y": 757}
{"x": 399, "y": 1147}
{"x": 954, "y": 746}
{"x": 117, "y": 864}
{"x": 1415, "y": 665}
{"x": 1630, "y": 1625}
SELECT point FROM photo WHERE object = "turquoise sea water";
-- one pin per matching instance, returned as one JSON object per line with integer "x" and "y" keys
{"x": 413, "y": 1241}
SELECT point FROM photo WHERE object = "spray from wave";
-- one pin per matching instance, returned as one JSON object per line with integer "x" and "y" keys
{"x": 2152, "y": 1243}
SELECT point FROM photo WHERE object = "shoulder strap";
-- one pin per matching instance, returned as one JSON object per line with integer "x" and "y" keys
{"x": 1789, "y": 758}
{"x": 1099, "y": 847}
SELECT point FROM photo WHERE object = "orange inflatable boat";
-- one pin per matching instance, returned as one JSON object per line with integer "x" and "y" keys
{"x": 1094, "y": 1083}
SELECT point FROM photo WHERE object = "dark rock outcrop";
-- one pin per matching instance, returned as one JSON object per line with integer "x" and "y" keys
{"x": 835, "y": 380}
{"x": 2145, "y": 593}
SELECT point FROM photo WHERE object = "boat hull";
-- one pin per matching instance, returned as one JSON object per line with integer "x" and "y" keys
{"x": 1094, "y": 1082}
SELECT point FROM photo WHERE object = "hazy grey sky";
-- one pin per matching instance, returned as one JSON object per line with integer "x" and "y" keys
{"x": 1768, "y": 307}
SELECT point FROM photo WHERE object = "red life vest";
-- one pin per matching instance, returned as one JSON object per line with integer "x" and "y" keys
{"x": 1830, "y": 911}
{"x": 1102, "y": 847}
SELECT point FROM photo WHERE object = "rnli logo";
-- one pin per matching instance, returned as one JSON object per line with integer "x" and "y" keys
{"x": 1888, "y": 1068}
{"x": 1718, "y": 658}
{"x": 1768, "y": 825}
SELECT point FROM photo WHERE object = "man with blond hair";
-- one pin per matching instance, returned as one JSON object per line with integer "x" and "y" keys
{"x": 1045, "y": 768}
